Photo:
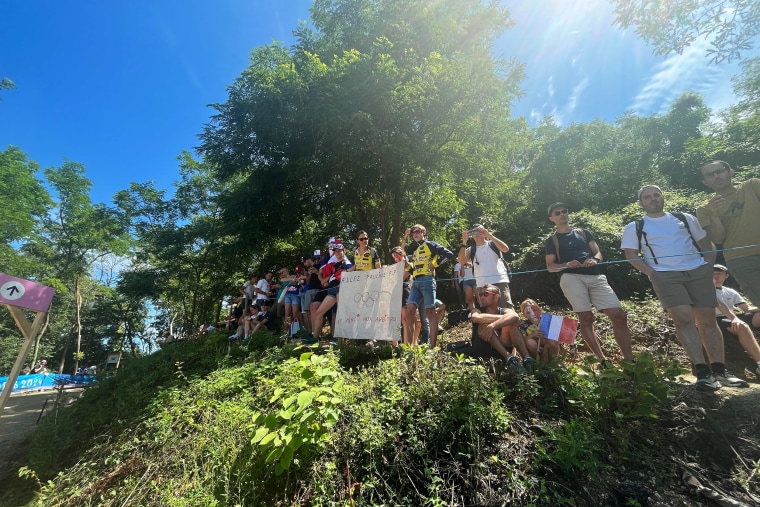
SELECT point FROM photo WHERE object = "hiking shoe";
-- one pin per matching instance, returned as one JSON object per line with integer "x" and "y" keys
{"x": 514, "y": 366}
{"x": 727, "y": 379}
{"x": 309, "y": 340}
{"x": 707, "y": 383}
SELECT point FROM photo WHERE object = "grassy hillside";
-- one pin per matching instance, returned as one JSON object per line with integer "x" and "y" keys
{"x": 205, "y": 423}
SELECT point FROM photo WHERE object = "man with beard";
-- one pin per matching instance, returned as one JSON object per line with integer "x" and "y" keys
{"x": 731, "y": 218}
{"x": 672, "y": 246}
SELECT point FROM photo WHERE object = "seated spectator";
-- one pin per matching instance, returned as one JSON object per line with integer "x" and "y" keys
{"x": 491, "y": 329}
{"x": 264, "y": 320}
{"x": 244, "y": 323}
{"x": 535, "y": 341}
{"x": 41, "y": 368}
{"x": 728, "y": 320}
{"x": 166, "y": 337}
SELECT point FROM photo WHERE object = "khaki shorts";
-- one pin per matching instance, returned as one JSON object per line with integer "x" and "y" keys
{"x": 582, "y": 291}
{"x": 680, "y": 288}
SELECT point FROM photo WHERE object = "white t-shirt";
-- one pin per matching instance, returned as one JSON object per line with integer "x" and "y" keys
{"x": 488, "y": 267}
{"x": 263, "y": 286}
{"x": 670, "y": 242}
{"x": 728, "y": 297}
{"x": 248, "y": 289}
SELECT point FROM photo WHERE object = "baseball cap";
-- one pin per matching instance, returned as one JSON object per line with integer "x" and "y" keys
{"x": 720, "y": 267}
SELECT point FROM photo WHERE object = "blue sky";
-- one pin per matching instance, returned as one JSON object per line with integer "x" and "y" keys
{"x": 123, "y": 87}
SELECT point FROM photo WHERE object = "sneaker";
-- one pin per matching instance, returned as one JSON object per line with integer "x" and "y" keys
{"x": 309, "y": 339}
{"x": 707, "y": 383}
{"x": 529, "y": 364}
{"x": 727, "y": 379}
{"x": 514, "y": 366}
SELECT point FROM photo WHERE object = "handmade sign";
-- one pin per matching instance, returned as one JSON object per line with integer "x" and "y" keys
{"x": 370, "y": 304}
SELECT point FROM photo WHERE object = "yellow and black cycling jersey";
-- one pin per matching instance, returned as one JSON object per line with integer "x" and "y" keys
{"x": 428, "y": 255}
{"x": 367, "y": 260}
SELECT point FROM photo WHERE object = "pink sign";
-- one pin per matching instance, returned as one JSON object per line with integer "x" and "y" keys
{"x": 25, "y": 294}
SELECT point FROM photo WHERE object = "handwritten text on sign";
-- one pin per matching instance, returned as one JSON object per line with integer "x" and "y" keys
{"x": 370, "y": 303}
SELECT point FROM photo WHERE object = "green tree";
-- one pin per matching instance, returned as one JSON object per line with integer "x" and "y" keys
{"x": 731, "y": 26}
{"x": 26, "y": 201}
{"x": 184, "y": 257}
{"x": 373, "y": 119}
{"x": 75, "y": 236}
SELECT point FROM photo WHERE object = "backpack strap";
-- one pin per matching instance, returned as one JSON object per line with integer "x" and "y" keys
{"x": 498, "y": 252}
{"x": 555, "y": 240}
{"x": 640, "y": 233}
{"x": 680, "y": 216}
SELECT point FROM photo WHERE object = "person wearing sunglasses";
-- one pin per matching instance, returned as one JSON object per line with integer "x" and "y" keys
{"x": 731, "y": 218}
{"x": 492, "y": 327}
{"x": 365, "y": 257}
{"x": 426, "y": 255}
{"x": 574, "y": 254}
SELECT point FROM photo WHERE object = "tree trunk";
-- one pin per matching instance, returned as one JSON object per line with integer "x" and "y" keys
{"x": 78, "y": 296}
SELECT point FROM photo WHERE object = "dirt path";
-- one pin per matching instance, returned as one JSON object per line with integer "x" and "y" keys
{"x": 19, "y": 420}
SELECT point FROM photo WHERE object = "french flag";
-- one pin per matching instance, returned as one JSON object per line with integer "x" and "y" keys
{"x": 562, "y": 329}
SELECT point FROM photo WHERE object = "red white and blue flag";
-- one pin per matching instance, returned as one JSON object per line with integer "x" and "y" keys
{"x": 562, "y": 329}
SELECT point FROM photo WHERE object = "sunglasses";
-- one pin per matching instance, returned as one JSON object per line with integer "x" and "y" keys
{"x": 558, "y": 212}
{"x": 714, "y": 173}
{"x": 417, "y": 231}
{"x": 363, "y": 239}
{"x": 488, "y": 293}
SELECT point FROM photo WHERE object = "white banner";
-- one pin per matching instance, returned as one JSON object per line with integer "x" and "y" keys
{"x": 370, "y": 303}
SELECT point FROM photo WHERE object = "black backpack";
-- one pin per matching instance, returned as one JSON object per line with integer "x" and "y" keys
{"x": 640, "y": 232}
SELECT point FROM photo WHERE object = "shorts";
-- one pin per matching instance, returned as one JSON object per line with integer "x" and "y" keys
{"x": 307, "y": 298}
{"x": 469, "y": 284}
{"x": 685, "y": 288}
{"x": 422, "y": 290}
{"x": 292, "y": 298}
{"x": 582, "y": 291}
{"x": 746, "y": 271}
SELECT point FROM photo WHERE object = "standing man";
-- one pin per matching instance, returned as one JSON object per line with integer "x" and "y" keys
{"x": 248, "y": 290}
{"x": 574, "y": 254}
{"x": 731, "y": 218}
{"x": 487, "y": 262}
{"x": 681, "y": 276}
{"x": 262, "y": 289}
{"x": 426, "y": 255}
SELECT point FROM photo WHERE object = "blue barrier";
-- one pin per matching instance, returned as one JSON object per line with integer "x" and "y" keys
{"x": 42, "y": 381}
